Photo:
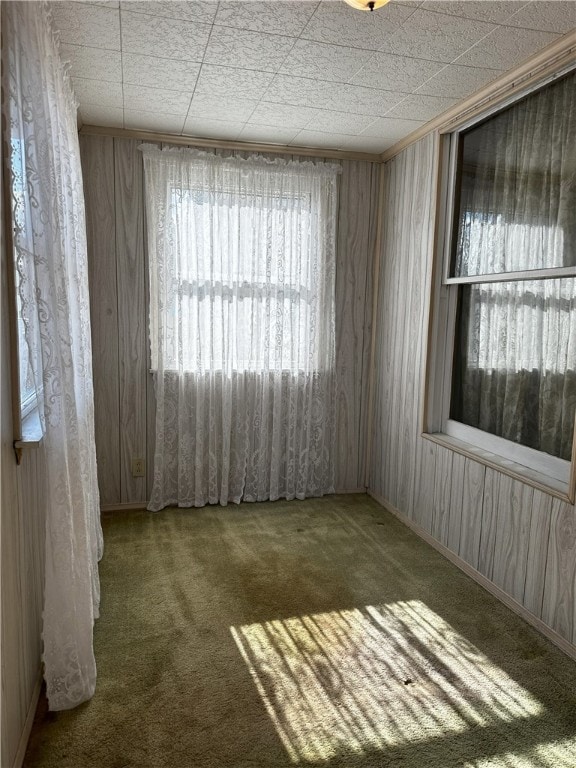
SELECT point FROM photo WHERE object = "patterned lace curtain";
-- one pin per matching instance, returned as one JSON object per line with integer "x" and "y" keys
{"x": 50, "y": 253}
{"x": 242, "y": 268}
{"x": 516, "y": 368}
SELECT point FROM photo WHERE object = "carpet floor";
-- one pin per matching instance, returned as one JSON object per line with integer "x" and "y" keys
{"x": 313, "y": 633}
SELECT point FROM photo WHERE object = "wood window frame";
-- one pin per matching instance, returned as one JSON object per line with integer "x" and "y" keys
{"x": 536, "y": 468}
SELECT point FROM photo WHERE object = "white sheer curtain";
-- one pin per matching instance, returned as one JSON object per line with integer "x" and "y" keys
{"x": 50, "y": 251}
{"x": 516, "y": 366}
{"x": 242, "y": 267}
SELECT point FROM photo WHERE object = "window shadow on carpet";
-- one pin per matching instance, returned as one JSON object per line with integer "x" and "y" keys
{"x": 400, "y": 681}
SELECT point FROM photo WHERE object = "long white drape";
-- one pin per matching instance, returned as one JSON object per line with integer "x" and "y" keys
{"x": 242, "y": 267}
{"x": 50, "y": 250}
{"x": 517, "y": 364}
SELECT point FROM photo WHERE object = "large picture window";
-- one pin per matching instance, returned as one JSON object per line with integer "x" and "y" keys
{"x": 505, "y": 377}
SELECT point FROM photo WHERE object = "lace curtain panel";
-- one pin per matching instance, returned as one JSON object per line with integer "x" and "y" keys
{"x": 242, "y": 269}
{"x": 50, "y": 251}
{"x": 516, "y": 366}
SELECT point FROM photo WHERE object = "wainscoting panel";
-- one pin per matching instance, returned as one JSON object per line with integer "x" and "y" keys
{"x": 124, "y": 390}
{"x": 521, "y": 539}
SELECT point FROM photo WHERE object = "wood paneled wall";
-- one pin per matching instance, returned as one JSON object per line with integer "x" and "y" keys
{"x": 520, "y": 539}
{"x": 123, "y": 387}
{"x": 22, "y": 520}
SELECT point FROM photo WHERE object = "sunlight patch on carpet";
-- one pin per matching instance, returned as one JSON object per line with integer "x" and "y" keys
{"x": 377, "y": 678}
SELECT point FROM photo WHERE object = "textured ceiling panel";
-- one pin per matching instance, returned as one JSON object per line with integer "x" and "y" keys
{"x": 294, "y": 72}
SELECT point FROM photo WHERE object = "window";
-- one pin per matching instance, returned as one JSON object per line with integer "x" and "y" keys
{"x": 26, "y": 383}
{"x": 241, "y": 263}
{"x": 504, "y": 373}
{"x": 231, "y": 283}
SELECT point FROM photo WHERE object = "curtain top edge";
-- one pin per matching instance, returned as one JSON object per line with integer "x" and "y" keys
{"x": 254, "y": 160}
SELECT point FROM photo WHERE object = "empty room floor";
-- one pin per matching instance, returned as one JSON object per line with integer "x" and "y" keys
{"x": 314, "y": 633}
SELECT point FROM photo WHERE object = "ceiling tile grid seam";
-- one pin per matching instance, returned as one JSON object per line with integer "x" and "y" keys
{"x": 267, "y": 95}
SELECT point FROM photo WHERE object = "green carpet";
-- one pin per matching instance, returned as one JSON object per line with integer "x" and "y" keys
{"x": 316, "y": 633}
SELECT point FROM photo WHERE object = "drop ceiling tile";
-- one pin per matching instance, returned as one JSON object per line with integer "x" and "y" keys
{"x": 283, "y": 115}
{"x": 506, "y": 47}
{"x": 391, "y": 129}
{"x": 318, "y": 139}
{"x": 366, "y": 144}
{"x": 97, "y": 92}
{"x": 458, "y": 82}
{"x": 341, "y": 122}
{"x": 212, "y": 129}
{"x": 336, "y": 22}
{"x": 436, "y": 36}
{"x": 174, "y": 9}
{"x": 324, "y": 62}
{"x": 112, "y": 117}
{"x": 80, "y": 24}
{"x": 247, "y": 50}
{"x": 419, "y": 107}
{"x": 167, "y": 38}
{"x": 556, "y": 16}
{"x": 268, "y": 134}
{"x": 288, "y": 17}
{"x": 495, "y": 11}
{"x": 229, "y": 109}
{"x": 396, "y": 73}
{"x": 152, "y": 72}
{"x": 224, "y": 82}
{"x": 140, "y": 99}
{"x": 298, "y": 91}
{"x": 92, "y": 63}
{"x": 363, "y": 101}
{"x": 144, "y": 120}
{"x": 303, "y": 92}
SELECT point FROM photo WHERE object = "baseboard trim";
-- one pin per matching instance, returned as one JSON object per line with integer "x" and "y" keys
{"x": 29, "y": 722}
{"x": 124, "y": 506}
{"x": 568, "y": 648}
{"x": 348, "y": 490}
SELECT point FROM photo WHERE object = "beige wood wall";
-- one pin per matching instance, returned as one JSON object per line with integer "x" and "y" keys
{"x": 520, "y": 539}
{"x": 22, "y": 519}
{"x": 123, "y": 388}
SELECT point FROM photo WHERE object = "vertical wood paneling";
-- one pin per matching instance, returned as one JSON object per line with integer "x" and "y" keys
{"x": 560, "y": 585}
{"x": 22, "y": 521}
{"x": 407, "y": 227}
{"x": 489, "y": 520}
{"x": 521, "y": 539}
{"x": 456, "y": 502}
{"x": 442, "y": 494}
{"x": 512, "y": 532}
{"x": 373, "y": 228}
{"x": 424, "y": 485}
{"x": 473, "y": 496}
{"x": 537, "y": 556}
{"x": 132, "y": 332}
{"x": 355, "y": 237}
{"x": 97, "y": 154}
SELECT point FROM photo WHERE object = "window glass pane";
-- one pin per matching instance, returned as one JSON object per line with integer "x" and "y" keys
{"x": 515, "y": 194}
{"x": 515, "y": 362}
{"x": 26, "y": 379}
{"x": 242, "y": 274}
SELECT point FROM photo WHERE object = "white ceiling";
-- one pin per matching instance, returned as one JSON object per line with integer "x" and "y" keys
{"x": 296, "y": 72}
